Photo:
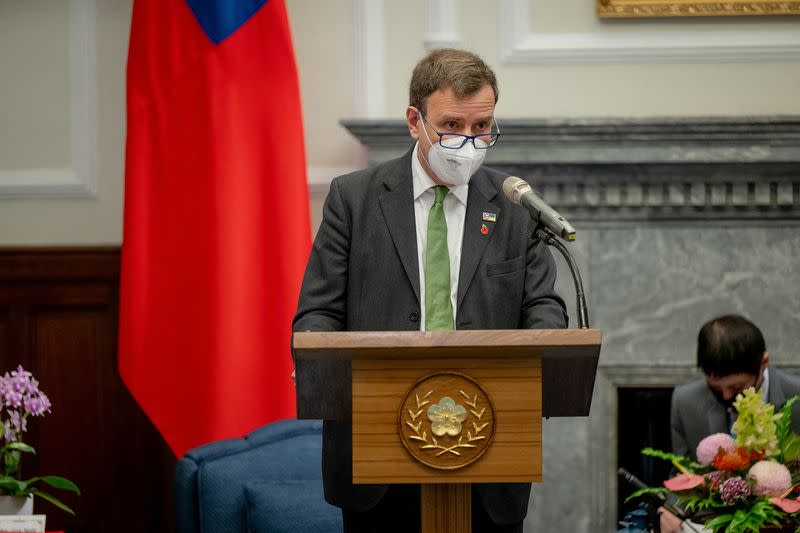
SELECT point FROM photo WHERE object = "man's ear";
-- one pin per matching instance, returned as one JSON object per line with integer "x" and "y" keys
{"x": 765, "y": 361}
{"x": 413, "y": 121}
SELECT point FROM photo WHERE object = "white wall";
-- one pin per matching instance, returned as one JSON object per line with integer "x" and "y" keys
{"x": 324, "y": 41}
{"x": 62, "y": 79}
{"x": 62, "y": 121}
{"x": 664, "y": 82}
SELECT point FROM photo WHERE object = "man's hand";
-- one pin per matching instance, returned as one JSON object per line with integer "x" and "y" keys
{"x": 669, "y": 522}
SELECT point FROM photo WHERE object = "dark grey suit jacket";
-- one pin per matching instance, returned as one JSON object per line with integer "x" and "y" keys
{"x": 696, "y": 414}
{"x": 363, "y": 275}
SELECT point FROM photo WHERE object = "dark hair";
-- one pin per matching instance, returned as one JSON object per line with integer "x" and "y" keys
{"x": 730, "y": 344}
{"x": 466, "y": 73}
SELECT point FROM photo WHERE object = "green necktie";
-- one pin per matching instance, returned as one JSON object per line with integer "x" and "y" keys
{"x": 438, "y": 309}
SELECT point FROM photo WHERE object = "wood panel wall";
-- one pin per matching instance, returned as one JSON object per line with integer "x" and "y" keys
{"x": 58, "y": 318}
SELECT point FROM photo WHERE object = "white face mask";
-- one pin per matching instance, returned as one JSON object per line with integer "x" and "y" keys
{"x": 454, "y": 166}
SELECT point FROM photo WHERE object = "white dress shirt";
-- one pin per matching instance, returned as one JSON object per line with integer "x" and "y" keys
{"x": 455, "y": 208}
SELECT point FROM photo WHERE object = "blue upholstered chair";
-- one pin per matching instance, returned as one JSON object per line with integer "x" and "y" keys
{"x": 269, "y": 481}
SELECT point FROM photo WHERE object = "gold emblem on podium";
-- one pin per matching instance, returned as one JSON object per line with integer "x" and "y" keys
{"x": 446, "y": 421}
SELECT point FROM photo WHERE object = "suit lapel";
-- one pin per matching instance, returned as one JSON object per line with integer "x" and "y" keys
{"x": 397, "y": 206}
{"x": 716, "y": 418}
{"x": 477, "y": 231}
{"x": 776, "y": 395}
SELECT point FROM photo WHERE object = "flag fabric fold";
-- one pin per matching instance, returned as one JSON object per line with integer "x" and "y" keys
{"x": 216, "y": 228}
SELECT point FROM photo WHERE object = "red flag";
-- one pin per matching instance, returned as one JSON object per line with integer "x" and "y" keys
{"x": 216, "y": 232}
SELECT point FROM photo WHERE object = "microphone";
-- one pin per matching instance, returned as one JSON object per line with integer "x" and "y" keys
{"x": 656, "y": 498}
{"x": 637, "y": 483}
{"x": 518, "y": 191}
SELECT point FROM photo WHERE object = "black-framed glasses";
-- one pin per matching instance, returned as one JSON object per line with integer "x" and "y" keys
{"x": 454, "y": 141}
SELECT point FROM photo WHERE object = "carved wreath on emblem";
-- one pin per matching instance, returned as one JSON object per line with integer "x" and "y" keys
{"x": 446, "y": 418}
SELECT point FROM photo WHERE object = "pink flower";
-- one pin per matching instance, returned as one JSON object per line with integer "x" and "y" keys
{"x": 710, "y": 445}
{"x": 20, "y": 397}
{"x": 771, "y": 478}
{"x": 716, "y": 478}
{"x": 734, "y": 490}
{"x": 684, "y": 482}
{"x": 786, "y": 505}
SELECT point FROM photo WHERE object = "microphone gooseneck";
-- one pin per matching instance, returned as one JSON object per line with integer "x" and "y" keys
{"x": 538, "y": 232}
{"x": 544, "y": 225}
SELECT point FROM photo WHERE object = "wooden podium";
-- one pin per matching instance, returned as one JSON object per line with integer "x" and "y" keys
{"x": 446, "y": 408}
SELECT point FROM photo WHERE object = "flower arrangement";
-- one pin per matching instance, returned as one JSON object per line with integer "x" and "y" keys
{"x": 21, "y": 398}
{"x": 745, "y": 483}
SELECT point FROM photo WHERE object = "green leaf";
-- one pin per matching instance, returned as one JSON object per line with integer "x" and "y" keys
{"x": 738, "y": 522}
{"x": 11, "y": 462}
{"x": 54, "y": 501}
{"x": 11, "y": 486}
{"x": 57, "y": 482}
{"x": 719, "y": 522}
{"x": 698, "y": 502}
{"x": 673, "y": 458}
{"x": 652, "y": 452}
{"x": 791, "y": 448}
{"x": 749, "y": 519}
{"x": 646, "y": 490}
{"x": 21, "y": 446}
{"x": 783, "y": 425}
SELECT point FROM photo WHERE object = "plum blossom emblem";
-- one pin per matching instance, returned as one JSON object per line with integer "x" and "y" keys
{"x": 446, "y": 420}
{"x": 446, "y": 417}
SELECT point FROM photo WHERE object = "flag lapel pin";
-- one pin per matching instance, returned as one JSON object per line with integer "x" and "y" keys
{"x": 491, "y": 217}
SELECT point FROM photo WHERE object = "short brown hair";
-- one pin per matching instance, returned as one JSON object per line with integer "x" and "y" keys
{"x": 466, "y": 73}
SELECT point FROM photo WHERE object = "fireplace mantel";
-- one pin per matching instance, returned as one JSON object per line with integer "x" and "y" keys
{"x": 655, "y": 169}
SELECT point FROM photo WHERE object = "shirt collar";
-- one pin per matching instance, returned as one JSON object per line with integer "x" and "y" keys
{"x": 765, "y": 386}
{"x": 422, "y": 182}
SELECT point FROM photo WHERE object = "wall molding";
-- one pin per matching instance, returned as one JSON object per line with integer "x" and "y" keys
{"x": 678, "y": 191}
{"x": 656, "y": 169}
{"x": 442, "y": 25}
{"x": 369, "y": 56}
{"x": 698, "y": 8}
{"x": 616, "y": 140}
{"x": 519, "y": 44}
{"x": 79, "y": 180}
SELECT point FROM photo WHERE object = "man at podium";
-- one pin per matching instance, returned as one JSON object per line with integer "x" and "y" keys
{"x": 427, "y": 241}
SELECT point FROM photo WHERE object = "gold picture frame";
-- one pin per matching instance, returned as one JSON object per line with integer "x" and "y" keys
{"x": 693, "y": 8}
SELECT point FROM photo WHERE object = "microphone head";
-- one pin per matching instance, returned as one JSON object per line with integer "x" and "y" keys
{"x": 515, "y": 188}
